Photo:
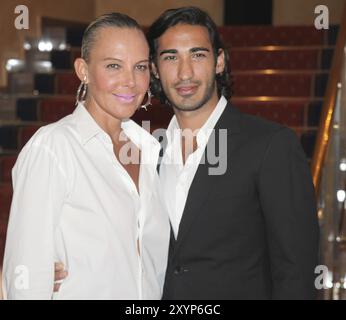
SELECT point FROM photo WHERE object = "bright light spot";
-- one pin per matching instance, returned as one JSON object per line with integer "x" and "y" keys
{"x": 329, "y": 280}
{"x": 343, "y": 165}
{"x": 27, "y": 46}
{"x": 341, "y": 195}
{"x": 43, "y": 66}
{"x": 42, "y": 46}
{"x": 49, "y": 46}
{"x": 12, "y": 63}
{"x": 46, "y": 64}
{"x": 45, "y": 46}
{"x": 62, "y": 46}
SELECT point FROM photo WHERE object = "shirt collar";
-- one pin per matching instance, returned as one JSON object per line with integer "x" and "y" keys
{"x": 88, "y": 128}
{"x": 86, "y": 125}
{"x": 205, "y": 131}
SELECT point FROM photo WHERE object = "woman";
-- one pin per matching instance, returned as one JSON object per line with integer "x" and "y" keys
{"x": 81, "y": 195}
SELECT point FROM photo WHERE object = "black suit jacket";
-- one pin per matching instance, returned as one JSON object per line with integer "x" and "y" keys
{"x": 251, "y": 233}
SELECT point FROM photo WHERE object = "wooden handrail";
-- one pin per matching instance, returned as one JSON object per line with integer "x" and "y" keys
{"x": 329, "y": 104}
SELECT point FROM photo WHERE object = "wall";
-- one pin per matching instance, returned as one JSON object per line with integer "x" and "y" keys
{"x": 11, "y": 39}
{"x": 302, "y": 12}
{"x": 146, "y": 11}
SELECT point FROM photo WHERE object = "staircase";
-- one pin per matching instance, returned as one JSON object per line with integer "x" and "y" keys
{"x": 279, "y": 73}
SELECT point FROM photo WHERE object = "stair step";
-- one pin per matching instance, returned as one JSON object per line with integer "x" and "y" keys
{"x": 282, "y": 83}
{"x": 66, "y": 83}
{"x": 297, "y": 59}
{"x": 5, "y": 200}
{"x": 247, "y": 83}
{"x": 5, "y": 204}
{"x": 297, "y": 113}
{"x": 14, "y": 135}
{"x": 6, "y": 164}
{"x": 278, "y": 35}
{"x": 53, "y": 109}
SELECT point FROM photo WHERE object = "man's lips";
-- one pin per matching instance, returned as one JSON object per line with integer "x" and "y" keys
{"x": 186, "y": 90}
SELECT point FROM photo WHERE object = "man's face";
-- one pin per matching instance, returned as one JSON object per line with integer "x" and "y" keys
{"x": 186, "y": 67}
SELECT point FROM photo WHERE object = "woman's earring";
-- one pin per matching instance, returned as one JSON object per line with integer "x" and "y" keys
{"x": 81, "y": 92}
{"x": 148, "y": 103}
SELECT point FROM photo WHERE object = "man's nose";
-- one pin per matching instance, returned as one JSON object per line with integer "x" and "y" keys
{"x": 185, "y": 71}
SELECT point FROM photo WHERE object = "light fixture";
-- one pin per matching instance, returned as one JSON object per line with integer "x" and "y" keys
{"x": 13, "y": 64}
{"x": 62, "y": 46}
{"x": 342, "y": 165}
{"x": 341, "y": 195}
{"x": 45, "y": 46}
{"x": 27, "y": 46}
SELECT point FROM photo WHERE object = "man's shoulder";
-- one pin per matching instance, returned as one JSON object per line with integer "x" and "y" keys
{"x": 257, "y": 125}
{"x": 255, "y": 128}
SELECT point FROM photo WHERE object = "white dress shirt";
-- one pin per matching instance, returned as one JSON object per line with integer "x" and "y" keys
{"x": 176, "y": 178}
{"x": 74, "y": 202}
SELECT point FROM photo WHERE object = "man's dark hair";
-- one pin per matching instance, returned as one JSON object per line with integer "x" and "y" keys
{"x": 190, "y": 16}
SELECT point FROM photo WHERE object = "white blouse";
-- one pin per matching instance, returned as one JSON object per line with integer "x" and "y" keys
{"x": 74, "y": 202}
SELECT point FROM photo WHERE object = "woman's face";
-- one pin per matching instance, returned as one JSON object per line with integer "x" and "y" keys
{"x": 117, "y": 72}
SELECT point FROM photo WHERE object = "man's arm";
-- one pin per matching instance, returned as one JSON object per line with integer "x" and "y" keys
{"x": 289, "y": 207}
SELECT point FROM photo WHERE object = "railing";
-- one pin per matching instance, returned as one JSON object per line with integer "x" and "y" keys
{"x": 329, "y": 104}
{"x": 329, "y": 174}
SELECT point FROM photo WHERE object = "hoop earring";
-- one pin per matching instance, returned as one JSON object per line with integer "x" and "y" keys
{"x": 148, "y": 103}
{"x": 80, "y": 97}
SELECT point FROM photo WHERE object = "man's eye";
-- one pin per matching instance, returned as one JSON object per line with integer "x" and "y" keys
{"x": 199, "y": 55}
{"x": 113, "y": 66}
{"x": 168, "y": 58}
{"x": 142, "y": 67}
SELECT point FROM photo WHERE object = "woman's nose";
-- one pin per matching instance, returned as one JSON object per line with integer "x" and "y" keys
{"x": 129, "y": 79}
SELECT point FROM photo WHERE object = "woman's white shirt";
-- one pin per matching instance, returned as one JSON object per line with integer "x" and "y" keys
{"x": 74, "y": 202}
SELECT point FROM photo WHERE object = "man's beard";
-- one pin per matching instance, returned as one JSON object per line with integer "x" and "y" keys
{"x": 207, "y": 96}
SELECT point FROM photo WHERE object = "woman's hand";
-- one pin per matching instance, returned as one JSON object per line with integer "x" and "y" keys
{"x": 59, "y": 275}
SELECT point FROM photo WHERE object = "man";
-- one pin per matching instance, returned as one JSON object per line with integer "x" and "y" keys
{"x": 244, "y": 229}
{"x": 250, "y": 232}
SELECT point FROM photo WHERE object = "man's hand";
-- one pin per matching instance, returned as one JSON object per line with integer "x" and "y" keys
{"x": 59, "y": 274}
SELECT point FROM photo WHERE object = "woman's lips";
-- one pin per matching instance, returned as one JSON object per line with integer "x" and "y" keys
{"x": 125, "y": 97}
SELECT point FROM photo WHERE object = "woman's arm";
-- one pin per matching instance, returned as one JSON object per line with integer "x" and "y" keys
{"x": 39, "y": 184}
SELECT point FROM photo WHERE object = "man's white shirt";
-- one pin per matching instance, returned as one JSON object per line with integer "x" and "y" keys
{"x": 176, "y": 177}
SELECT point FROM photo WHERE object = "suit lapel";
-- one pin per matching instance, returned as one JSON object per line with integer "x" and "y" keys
{"x": 202, "y": 183}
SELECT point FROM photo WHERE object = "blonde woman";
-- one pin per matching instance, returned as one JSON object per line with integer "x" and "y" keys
{"x": 86, "y": 187}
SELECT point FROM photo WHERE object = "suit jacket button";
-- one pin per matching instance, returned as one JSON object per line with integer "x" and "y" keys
{"x": 178, "y": 270}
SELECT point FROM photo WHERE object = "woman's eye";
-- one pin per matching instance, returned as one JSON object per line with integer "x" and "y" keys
{"x": 142, "y": 67}
{"x": 113, "y": 66}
